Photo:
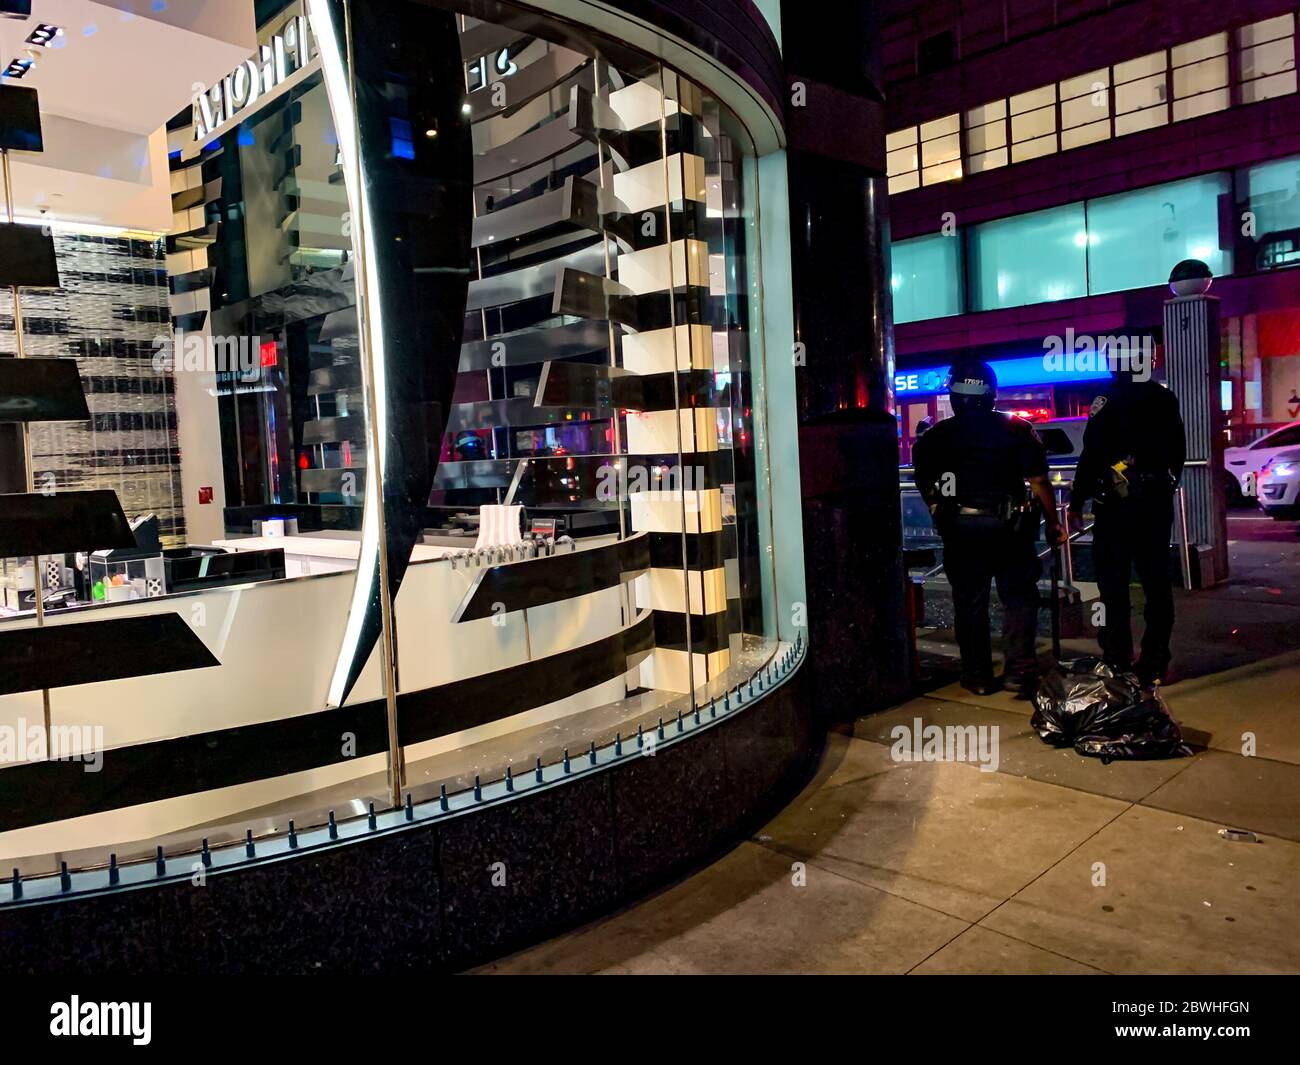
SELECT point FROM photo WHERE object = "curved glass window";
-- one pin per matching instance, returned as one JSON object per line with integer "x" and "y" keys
{"x": 469, "y": 386}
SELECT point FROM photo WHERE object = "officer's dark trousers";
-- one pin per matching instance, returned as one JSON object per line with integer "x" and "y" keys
{"x": 1134, "y": 534}
{"x": 973, "y": 559}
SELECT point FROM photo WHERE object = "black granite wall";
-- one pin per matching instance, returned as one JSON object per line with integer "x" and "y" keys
{"x": 844, "y": 320}
{"x": 422, "y": 897}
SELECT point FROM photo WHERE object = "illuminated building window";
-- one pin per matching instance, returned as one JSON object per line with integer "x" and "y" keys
{"x": 903, "y": 160}
{"x": 1266, "y": 56}
{"x": 1141, "y": 93}
{"x": 986, "y": 137}
{"x": 925, "y": 277}
{"x": 1200, "y": 76}
{"x": 941, "y": 150}
{"x": 1030, "y": 258}
{"x": 1085, "y": 109}
{"x": 1033, "y": 123}
{"x": 1187, "y": 80}
{"x": 1135, "y": 238}
{"x": 1271, "y": 193}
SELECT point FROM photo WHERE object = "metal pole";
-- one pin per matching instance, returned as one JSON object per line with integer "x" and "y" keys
{"x": 1067, "y": 551}
{"x": 1056, "y": 604}
{"x": 21, "y": 351}
{"x": 375, "y": 468}
{"x": 1186, "y": 552}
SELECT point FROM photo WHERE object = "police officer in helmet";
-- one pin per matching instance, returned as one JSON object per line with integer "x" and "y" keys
{"x": 1133, "y": 454}
{"x": 972, "y": 470}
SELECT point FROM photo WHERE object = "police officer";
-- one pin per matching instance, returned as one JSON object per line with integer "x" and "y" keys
{"x": 971, "y": 470}
{"x": 1132, "y": 460}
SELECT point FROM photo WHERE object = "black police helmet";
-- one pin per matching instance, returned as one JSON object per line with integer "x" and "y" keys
{"x": 972, "y": 385}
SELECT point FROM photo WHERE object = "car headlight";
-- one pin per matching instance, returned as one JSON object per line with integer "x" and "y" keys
{"x": 1281, "y": 469}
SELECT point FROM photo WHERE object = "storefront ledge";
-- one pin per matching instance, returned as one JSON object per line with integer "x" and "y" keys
{"x": 445, "y": 884}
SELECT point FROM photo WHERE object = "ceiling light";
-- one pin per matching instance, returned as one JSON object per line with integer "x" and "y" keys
{"x": 17, "y": 69}
{"x": 44, "y": 35}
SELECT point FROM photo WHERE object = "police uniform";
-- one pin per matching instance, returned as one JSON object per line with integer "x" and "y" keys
{"x": 972, "y": 468}
{"x": 1133, "y": 455}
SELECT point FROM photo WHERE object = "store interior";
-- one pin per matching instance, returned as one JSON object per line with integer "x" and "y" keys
{"x": 204, "y": 437}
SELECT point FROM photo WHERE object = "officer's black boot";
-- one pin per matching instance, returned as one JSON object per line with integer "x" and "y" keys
{"x": 981, "y": 684}
{"x": 1151, "y": 672}
{"x": 1023, "y": 682}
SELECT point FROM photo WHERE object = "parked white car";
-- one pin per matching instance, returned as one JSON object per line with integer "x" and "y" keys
{"x": 1062, "y": 439}
{"x": 1244, "y": 463}
{"x": 1279, "y": 486}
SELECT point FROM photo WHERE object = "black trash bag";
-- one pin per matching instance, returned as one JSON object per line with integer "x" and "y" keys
{"x": 1104, "y": 713}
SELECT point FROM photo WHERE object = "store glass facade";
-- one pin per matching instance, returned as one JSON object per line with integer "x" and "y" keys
{"x": 487, "y": 392}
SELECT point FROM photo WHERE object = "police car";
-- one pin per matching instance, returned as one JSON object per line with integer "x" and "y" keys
{"x": 1279, "y": 485}
{"x": 1244, "y": 463}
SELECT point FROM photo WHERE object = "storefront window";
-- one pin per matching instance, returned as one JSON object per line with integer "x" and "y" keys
{"x": 925, "y": 277}
{"x": 1136, "y": 238}
{"x": 1032, "y": 258}
{"x": 468, "y": 341}
{"x": 1271, "y": 194}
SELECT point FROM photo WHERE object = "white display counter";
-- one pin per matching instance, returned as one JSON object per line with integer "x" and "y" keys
{"x": 308, "y": 556}
{"x": 277, "y": 642}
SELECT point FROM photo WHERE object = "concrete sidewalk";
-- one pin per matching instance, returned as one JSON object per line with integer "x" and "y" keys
{"x": 1053, "y": 863}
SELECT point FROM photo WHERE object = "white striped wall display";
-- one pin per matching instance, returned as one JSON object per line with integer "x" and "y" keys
{"x": 668, "y": 257}
{"x": 605, "y": 219}
{"x": 108, "y": 316}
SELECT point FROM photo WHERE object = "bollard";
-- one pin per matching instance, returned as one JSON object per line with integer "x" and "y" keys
{"x": 250, "y": 851}
{"x": 537, "y": 769}
{"x": 410, "y": 807}
{"x": 293, "y": 836}
{"x": 17, "y": 882}
{"x": 442, "y": 798}
{"x": 510, "y": 780}
{"x": 478, "y": 789}
{"x": 65, "y": 880}
{"x": 160, "y": 863}
{"x": 567, "y": 767}
{"x": 206, "y": 856}
{"x": 114, "y": 875}
{"x": 371, "y": 822}
{"x": 333, "y": 826}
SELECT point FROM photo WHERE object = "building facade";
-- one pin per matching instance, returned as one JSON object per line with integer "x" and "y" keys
{"x": 1050, "y": 162}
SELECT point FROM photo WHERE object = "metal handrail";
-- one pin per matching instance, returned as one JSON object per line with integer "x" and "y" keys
{"x": 1067, "y": 555}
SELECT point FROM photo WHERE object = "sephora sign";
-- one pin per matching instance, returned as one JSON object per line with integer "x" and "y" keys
{"x": 285, "y": 54}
